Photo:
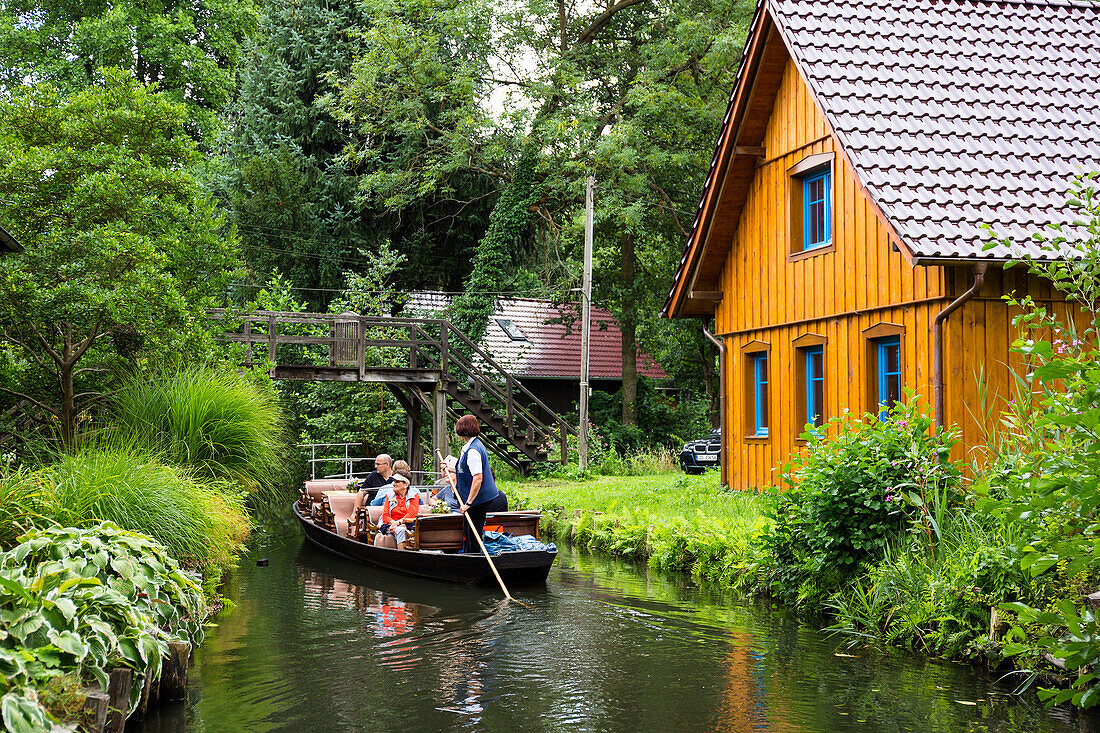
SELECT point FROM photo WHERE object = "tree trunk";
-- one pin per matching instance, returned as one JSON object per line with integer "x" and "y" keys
{"x": 65, "y": 367}
{"x": 629, "y": 334}
{"x": 68, "y": 405}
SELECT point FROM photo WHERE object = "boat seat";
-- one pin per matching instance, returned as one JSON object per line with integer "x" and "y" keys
{"x": 317, "y": 487}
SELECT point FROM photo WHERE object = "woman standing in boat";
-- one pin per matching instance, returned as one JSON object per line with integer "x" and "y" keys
{"x": 475, "y": 485}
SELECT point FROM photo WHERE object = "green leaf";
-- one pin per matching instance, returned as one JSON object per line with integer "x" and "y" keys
{"x": 23, "y": 715}
{"x": 69, "y": 642}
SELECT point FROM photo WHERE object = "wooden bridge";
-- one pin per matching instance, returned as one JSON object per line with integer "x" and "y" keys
{"x": 428, "y": 365}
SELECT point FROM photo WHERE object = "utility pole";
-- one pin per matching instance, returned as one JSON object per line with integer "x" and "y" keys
{"x": 586, "y": 318}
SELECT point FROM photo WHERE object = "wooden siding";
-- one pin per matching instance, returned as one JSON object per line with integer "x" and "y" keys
{"x": 861, "y": 282}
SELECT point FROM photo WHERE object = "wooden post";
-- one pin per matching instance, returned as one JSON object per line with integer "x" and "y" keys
{"x": 248, "y": 341}
{"x": 149, "y": 691}
{"x": 564, "y": 444}
{"x": 94, "y": 716}
{"x": 444, "y": 357}
{"x": 511, "y": 418}
{"x": 439, "y": 420}
{"x": 118, "y": 692}
{"x": 173, "y": 672}
{"x": 361, "y": 345}
{"x": 271, "y": 327}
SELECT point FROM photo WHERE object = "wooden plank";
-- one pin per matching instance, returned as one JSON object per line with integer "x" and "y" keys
{"x": 309, "y": 372}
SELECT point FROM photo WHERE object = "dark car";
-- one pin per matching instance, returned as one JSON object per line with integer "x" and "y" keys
{"x": 702, "y": 453}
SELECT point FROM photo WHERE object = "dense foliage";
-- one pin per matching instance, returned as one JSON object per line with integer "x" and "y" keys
{"x": 215, "y": 423}
{"x": 123, "y": 249}
{"x": 189, "y": 49}
{"x": 855, "y": 488}
{"x": 85, "y": 601}
{"x": 1048, "y": 454}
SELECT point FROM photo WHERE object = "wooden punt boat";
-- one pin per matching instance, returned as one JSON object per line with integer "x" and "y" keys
{"x": 435, "y": 559}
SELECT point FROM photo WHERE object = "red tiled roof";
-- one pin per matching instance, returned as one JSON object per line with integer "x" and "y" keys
{"x": 956, "y": 113}
{"x": 953, "y": 113}
{"x": 551, "y": 349}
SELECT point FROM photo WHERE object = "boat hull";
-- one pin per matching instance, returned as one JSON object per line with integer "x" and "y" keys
{"x": 515, "y": 567}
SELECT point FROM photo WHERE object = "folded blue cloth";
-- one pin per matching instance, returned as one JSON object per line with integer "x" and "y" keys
{"x": 498, "y": 542}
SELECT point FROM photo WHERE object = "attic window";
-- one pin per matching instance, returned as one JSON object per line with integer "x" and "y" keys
{"x": 511, "y": 330}
{"x": 811, "y": 205}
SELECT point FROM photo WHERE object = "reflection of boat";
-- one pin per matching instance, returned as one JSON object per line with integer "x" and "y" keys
{"x": 526, "y": 566}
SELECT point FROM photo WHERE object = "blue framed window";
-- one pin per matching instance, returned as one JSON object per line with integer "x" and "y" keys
{"x": 817, "y": 205}
{"x": 889, "y": 372}
{"x": 759, "y": 362}
{"x": 815, "y": 386}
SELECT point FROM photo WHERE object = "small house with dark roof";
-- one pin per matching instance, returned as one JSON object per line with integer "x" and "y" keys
{"x": 838, "y": 245}
{"x": 539, "y": 343}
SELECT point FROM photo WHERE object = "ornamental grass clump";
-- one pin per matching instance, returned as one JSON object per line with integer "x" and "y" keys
{"x": 853, "y": 492}
{"x": 24, "y": 504}
{"x": 214, "y": 422}
{"x": 202, "y": 524}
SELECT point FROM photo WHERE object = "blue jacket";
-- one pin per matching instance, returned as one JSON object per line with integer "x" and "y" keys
{"x": 488, "y": 490}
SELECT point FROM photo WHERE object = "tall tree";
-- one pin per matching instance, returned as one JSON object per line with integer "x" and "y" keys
{"x": 189, "y": 48}
{"x": 290, "y": 196}
{"x": 123, "y": 250}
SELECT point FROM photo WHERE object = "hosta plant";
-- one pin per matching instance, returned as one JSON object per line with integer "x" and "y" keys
{"x": 86, "y": 601}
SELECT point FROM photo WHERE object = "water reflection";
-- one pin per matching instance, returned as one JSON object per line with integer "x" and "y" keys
{"x": 318, "y": 643}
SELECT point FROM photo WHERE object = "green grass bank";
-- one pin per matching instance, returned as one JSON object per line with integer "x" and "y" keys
{"x": 675, "y": 521}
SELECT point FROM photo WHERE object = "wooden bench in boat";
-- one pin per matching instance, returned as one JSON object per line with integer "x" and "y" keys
{"x": 444, "y": 531}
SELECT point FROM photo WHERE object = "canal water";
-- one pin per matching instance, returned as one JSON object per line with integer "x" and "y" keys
{"x": 317, "y": 643}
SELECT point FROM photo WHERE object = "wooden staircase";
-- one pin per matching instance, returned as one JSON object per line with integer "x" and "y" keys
{"x": 444, "y": 372}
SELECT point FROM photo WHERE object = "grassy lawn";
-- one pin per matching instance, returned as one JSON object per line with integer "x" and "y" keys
{"x": 677, "y": 521}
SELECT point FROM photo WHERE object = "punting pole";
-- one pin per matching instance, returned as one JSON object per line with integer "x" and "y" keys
{"x": 477, "y": 535}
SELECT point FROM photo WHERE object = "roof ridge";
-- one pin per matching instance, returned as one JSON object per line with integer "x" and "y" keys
{"x": 1046, "y": 3}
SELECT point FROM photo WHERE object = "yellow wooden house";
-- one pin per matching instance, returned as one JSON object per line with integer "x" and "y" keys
{"x": 838, "y": 245}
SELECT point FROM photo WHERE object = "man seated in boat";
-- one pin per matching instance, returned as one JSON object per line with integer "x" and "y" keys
{"x": 376, "y": 479}
{"x": 401, "y": 467}
{"x": 398, "y": 514}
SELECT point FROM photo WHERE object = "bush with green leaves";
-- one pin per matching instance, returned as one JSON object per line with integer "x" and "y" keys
{"x": 852, "y": 492}
{"x": 1050, "y": 437}
{"x": 86, "y": 601}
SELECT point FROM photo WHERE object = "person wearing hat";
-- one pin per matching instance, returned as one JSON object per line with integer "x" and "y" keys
{"x": 398, "y": 513}
{"x": 445, "y": 494}
{"x": 475, "y": 486}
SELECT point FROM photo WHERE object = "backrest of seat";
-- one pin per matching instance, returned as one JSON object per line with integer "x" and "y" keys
{"x": 440, "y": 531}
{"x": 516, "y": 523}
{"x": 316, "y": 487}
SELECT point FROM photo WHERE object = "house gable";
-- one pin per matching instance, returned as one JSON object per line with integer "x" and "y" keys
{"x": 763, "y": 282}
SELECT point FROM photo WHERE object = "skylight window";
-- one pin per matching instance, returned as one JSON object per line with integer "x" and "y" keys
{"x": 511, "y": 330}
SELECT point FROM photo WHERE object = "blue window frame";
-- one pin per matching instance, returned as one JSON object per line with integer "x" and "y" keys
{"x": 760, "y": 393}
{"x": 815, "y": 386}
{"x": 817, "y": 215}
{"x": 889, "y": 372}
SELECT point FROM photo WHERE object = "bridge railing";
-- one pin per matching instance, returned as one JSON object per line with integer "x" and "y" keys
{"x": 350, "y": 340}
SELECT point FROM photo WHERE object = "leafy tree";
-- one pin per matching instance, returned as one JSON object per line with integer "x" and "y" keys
{"x": 629, "y": 91}
{"x": 290, "y": 196}
{"x": 189, "y": 48}
{"x": 123, "y": 250}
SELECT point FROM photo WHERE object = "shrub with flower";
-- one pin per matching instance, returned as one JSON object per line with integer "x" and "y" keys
{"x": 851, "y": 492}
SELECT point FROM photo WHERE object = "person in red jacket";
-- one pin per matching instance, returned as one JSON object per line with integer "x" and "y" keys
{"x": 398, "y": 514}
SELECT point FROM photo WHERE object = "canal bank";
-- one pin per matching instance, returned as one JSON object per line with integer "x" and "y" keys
{"x": 938, "y": 605}
{"x": 315, "y": 642}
